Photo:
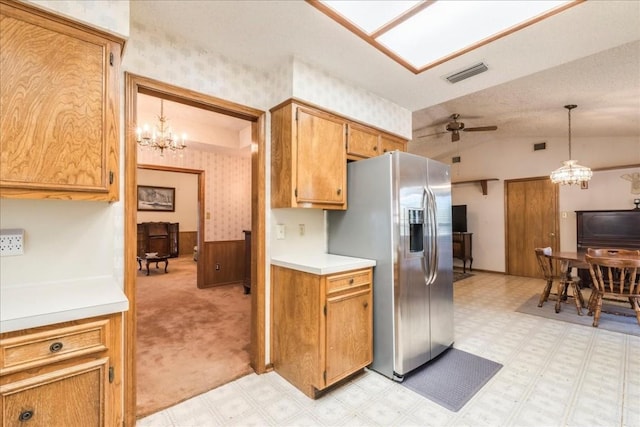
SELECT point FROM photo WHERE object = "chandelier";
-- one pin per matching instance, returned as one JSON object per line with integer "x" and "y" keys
{"x": 161, "y": 138}
{"x": 571, "y": 172}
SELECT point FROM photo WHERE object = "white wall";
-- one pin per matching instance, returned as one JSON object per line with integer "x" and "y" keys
{"x": 186, "y": 197}
{"x": 506, "y": 158}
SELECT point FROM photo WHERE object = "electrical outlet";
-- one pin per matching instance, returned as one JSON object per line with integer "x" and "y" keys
{"x": 280, "y": 231}
{"x": 11, "y": 242}
{"x": 301, "y": 229}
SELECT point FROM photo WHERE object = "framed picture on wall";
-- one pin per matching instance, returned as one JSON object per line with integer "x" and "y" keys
{"x": 156, "y": 198}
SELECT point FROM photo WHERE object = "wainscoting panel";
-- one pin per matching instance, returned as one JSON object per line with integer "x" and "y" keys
{"x": 188, "y": 239}
{"x": 224, "y": 262}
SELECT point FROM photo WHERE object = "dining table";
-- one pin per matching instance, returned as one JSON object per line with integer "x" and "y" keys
{"x": 569, "y": 260}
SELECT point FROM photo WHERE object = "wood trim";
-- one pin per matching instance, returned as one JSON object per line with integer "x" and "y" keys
{"x": 609, "y": 168}
{"x": 137, "y": 84}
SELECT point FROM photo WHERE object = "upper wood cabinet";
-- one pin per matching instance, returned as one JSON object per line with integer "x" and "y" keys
{"x": 59, "y": 107}
{"x": 308, "y": 158}
{"x": 391, "y": 143}
{"x": 362, "y": 141}
{"x": 309, "y": 152}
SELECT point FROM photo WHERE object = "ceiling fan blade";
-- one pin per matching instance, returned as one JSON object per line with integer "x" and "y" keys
{"x": 480, "y": 128}
{"x": 455, "y": 136}
{"x": 430, "y": 134}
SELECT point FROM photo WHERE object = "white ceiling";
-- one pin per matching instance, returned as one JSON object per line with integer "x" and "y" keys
{"x": 588, "y": 55}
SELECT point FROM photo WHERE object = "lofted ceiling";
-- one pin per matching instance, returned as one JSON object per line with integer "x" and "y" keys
{"x": 588, "y": 55}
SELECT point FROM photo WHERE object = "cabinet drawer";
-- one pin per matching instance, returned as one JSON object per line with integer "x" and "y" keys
{"x": 348, "y": 280}
{"x": 41, "y": 348}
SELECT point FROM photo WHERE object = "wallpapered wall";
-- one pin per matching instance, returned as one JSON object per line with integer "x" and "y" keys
{"x": 227, "y": 189}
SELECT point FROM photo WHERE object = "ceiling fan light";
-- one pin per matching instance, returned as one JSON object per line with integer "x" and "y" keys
{"x": 571, "y": 173}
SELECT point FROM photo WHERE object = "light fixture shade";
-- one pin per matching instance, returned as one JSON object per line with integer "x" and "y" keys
{"x": 571, "y": 173}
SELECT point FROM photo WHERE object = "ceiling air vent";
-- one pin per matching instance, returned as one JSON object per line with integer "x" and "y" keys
{"x": 466, "y": 73}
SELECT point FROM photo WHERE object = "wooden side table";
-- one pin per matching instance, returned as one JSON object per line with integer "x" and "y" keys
{"x": 156, "y": 259}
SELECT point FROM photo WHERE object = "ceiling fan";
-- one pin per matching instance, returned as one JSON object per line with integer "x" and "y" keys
{"x": 455, "y": 127}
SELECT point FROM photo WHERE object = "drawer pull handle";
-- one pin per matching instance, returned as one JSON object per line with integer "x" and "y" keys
{"x": 351, "y": 281}
{"x": 365, "y": 304}
{"x": 55, "y": 347}
{"x": 25, "y": 416}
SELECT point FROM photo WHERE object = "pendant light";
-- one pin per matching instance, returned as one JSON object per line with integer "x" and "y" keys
{"x": 571, "y": 173}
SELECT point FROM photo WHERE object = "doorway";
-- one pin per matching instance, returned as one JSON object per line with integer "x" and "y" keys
{"x": 531, "y": 218}
{"x": 133, "y": 86}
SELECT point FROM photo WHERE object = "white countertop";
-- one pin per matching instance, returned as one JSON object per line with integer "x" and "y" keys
{"x": 320, "y": 263}
{"x": 31, "y": 305}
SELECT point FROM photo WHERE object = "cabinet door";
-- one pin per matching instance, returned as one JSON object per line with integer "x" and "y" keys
{"x": 362, "y": 141}
{"x": 58, "y": 109}
{"x": 71, "y": 397}
{"x": 321, "y": 158}
{"x": 348, "y": 334}
{"x": 390, "y": 144}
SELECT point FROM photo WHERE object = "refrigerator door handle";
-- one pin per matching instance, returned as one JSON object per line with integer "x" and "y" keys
{"x": 430, "y": 219}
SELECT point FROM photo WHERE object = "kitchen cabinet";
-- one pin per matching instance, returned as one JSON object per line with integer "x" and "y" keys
{"x": 59, "y": 107}
{"x": 322, "y": 326}
{"x": 391, "y": 143}
{"x": 362, "y": 142}
{"x": 68, "y": 374}
{"x": 308, "y": 158}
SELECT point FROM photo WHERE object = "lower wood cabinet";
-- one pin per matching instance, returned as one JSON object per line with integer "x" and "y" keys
{"x": 322, "y": 326}
{"x": 67, "y": 374}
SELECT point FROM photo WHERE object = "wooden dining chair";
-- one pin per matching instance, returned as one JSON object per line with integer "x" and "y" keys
{"x": 547, "y": 268}
{"x": 607, "y": 252}
{"x": 616, "y": 277}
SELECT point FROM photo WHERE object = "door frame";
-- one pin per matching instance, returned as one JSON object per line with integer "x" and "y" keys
{"x": 135, "y": 84}
{"x": 556, "y": 245}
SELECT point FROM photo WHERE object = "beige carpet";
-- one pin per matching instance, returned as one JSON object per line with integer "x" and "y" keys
{"x": 189, "y": 340}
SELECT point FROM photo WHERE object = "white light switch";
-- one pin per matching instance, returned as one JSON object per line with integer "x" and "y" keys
{"x": 280, "y": 231}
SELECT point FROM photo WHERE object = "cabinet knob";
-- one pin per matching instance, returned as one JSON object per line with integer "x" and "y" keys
{"x": 339, "y": 191}
{"x": 25, "y": 415}
{"x": 351, "y": 281}
{"x": 55, "y": 347}
{"x": 375, "y": 148}
{"x": 365, "y": 304}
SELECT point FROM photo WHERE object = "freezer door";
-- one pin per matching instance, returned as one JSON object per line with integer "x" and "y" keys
{"x": 441, "y": 290}
{"x": 411, "y": 292}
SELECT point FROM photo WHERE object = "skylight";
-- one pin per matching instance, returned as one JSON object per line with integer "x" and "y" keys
{"x": 422, "y": 34}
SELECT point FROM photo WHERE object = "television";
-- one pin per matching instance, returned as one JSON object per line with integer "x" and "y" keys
{"x": 459, "y": 218}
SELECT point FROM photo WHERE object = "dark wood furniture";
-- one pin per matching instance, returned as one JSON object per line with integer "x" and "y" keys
{"x": 150, "y": 259}
{"x": 247, "y": 262}
{"x": 606, "y": 229}
{"x": 563, "y": 276}
{"x": 616, "y": 277}
{"x": 159, "y": 237}
{"x": 462, "y": 249}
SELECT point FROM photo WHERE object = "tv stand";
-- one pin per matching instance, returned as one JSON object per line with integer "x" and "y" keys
{"x": 462, "y": 249}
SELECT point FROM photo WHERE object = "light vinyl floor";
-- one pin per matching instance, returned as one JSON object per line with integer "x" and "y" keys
{"x": 554, "y": 374}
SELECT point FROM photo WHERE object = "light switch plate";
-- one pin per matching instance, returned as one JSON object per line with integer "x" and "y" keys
{"x": 11, "y": 242}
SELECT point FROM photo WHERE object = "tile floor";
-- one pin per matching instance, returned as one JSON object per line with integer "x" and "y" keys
{"x": 554, "y": 374}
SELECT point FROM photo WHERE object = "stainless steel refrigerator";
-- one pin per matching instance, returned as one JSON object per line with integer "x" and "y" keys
{"x": 399, "y": 213}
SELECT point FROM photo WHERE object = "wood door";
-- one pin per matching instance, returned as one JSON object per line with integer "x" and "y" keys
{"x": 74, "y": 396}
{"x": 531, "y": 222}
{"x": 362, "y": 141}
{"x": 321, "y": 158}
{"x": 59, "y": 105}
{"x": 349, "y": 334}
